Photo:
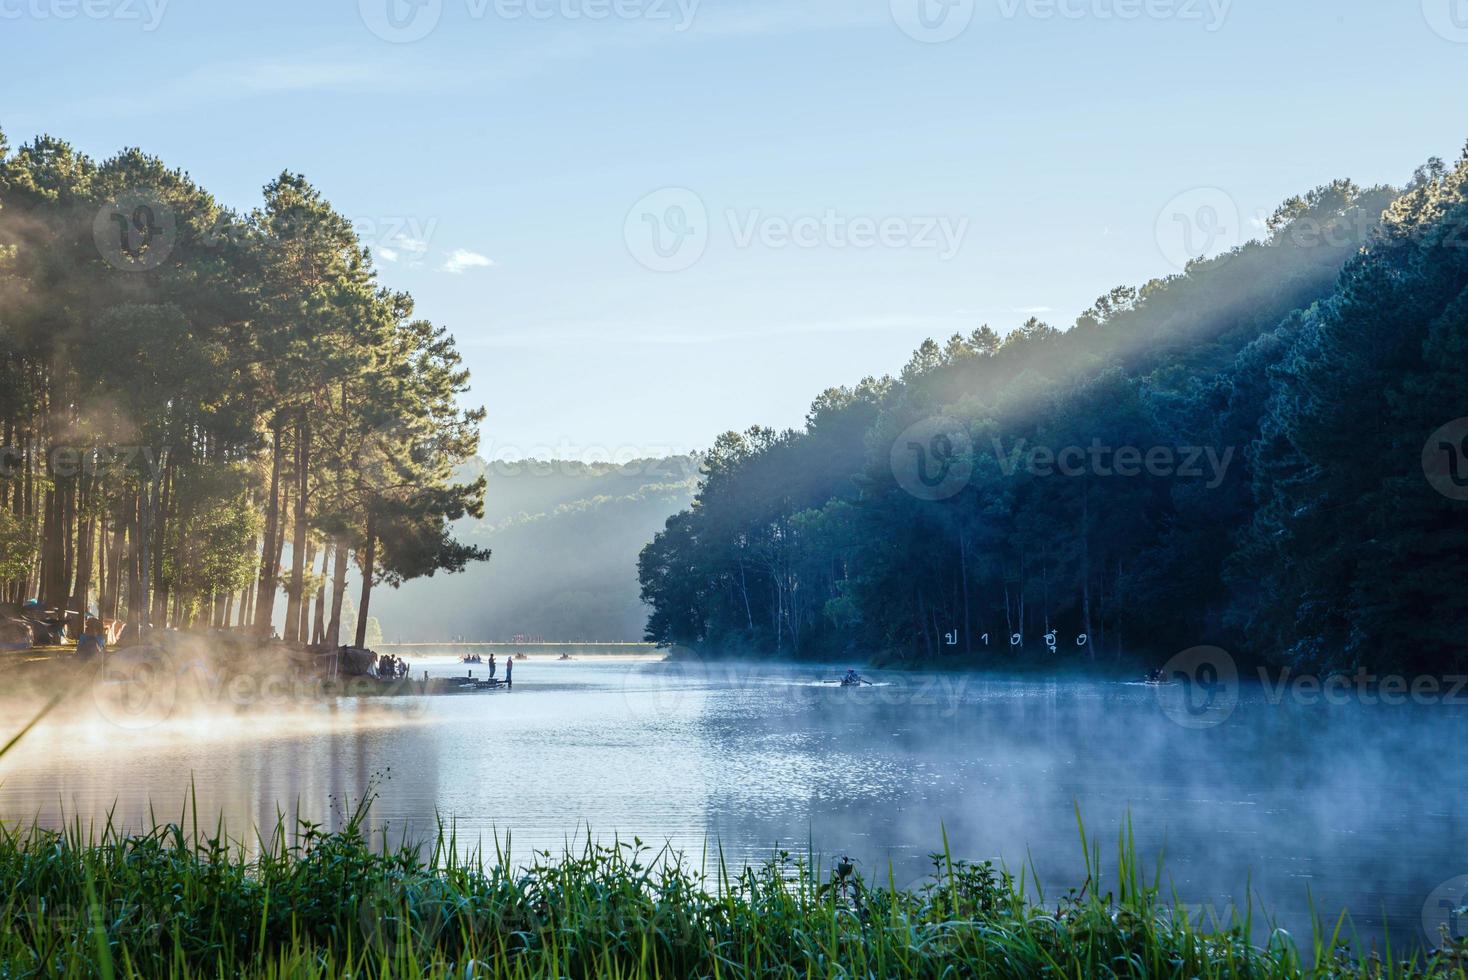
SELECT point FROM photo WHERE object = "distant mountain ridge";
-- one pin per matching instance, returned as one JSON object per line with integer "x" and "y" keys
{"x": 565, "y": 537}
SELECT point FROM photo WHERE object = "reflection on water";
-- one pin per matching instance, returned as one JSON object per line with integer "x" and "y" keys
{"x": 1349, "y": 806}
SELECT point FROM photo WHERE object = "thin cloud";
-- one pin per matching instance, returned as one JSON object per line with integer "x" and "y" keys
{"x": 342, "y": 68}
{"x": 462, "y": 260}
{"x": 219, "y": 82}
{"x": 289, "y": 77}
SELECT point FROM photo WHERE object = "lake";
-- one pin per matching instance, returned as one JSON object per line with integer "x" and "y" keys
{"x": 1344, "y": 805}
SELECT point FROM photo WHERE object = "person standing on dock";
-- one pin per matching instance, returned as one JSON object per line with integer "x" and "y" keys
{"x": 509, "y": 672}
{"x": 491, "y": 666}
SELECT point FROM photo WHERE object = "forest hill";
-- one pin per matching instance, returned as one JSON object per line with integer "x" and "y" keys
{"x": 203, "y": 409}
{"x": 1317, "y": 363}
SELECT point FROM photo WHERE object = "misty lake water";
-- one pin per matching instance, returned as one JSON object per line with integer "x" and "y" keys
{"x": 1347, "y": 806}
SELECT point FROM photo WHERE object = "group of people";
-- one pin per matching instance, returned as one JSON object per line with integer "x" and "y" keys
{"x": 391, "y": 668}
{"x": 493, "y": 665}
{"x": 509, "y": 669}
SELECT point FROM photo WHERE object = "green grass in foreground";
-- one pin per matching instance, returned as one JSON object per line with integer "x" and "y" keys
{"x": 175, "y": 902}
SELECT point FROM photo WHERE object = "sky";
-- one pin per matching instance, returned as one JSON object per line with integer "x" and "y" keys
{"x": 650, "y": 221}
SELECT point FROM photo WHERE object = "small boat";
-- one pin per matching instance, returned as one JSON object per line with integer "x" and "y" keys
{"x": 853, "y": 679}
{"x": 565, "y": 656}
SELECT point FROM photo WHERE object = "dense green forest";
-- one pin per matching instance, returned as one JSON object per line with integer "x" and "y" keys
{"x": 202, "y": 411}
{"x": 1232, "y": 456}
{"x": 565, "y": 537}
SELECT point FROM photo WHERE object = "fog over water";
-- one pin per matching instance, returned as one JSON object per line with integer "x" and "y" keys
{"x": 1348, "y": 805}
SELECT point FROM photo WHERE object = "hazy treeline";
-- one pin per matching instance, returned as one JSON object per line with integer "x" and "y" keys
{"x": 565, "y": 537}
{"x": 1231, "y": 456}
{"x": 202, "y": 410}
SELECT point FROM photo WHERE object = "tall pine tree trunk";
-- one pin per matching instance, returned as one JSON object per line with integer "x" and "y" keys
{"x": 103, "y": 582}
{"x": 115, "y": 566}
{"x": 146, "y": 503}
{"x": 295, "y": 610}
{"x": 162, "y": 502}
{"x": 278, "y": 550}
{"x": 82, "y": 590}
{"x": 303, "y": 624}
{"x": 369, "y": 567}
{"x": 269, "y": 560}
{"x": 318, "y": 625}
{"x": 135, "y": 560}
{"x": 338, "y": 594}
{"x": 68, "y": 541}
